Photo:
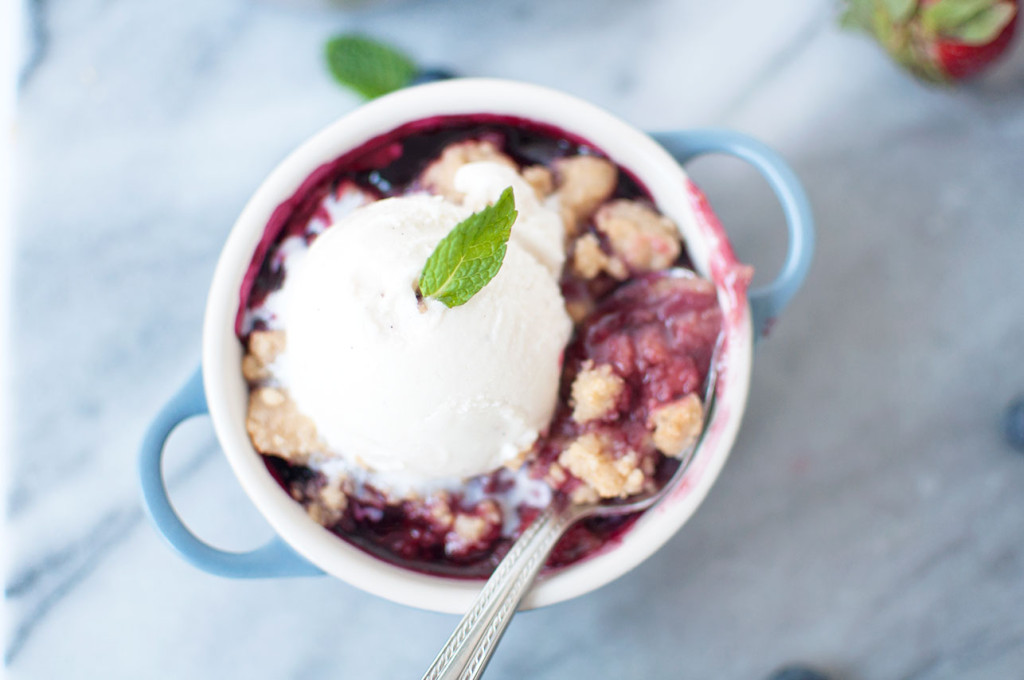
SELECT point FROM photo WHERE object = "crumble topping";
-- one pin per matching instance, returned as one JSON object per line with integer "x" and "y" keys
{"x": 473, "y": 531}
{"x": 556, "y": 475}
{"x": 595, "y": 392}
{"x": 677, "y": 425}
{"x": 440, "y": 509}
{"x": 470, "y": 528}
{"x": 590, "y": 459}
{"x": 584, "y": 495}
{"x": 328, "y": 506}
{"x": 589, "y": 259}
{"x": 645, "y": 239}
{"x": 439, "y": 176}
{"x": 584, "y": 183}
{"x": 579, "y": 308}
{"x": 264, "y": 347}
{"x": 276, "y": 427}
{"x": 541, "y": 179}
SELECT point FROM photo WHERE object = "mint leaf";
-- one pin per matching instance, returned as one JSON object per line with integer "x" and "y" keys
{"x": 471, "y": 254}
{"x": 369, "y": 67}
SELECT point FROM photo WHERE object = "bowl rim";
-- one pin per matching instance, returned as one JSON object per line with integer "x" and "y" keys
{"x": 226, "y": 392}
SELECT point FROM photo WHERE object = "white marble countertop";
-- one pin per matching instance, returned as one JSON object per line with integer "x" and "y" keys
{"x": 870, "y": 518}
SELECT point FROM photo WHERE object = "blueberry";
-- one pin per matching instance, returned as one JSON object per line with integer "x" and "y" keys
{"x": 429, "y": 75}
{"x": 798, "y": 673}
{"x": 1013, "y": 423}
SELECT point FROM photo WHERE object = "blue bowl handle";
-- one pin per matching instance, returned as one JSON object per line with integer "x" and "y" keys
{"x": 275, "y": 558}
{"x": 767, "y": 302}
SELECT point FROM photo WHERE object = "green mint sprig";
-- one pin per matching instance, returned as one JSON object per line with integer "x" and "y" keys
{"x": 471, "y": 254}
{"x": 369, "y": 67}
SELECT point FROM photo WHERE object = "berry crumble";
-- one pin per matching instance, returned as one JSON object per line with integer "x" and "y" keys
{"x": 640, "y": 332}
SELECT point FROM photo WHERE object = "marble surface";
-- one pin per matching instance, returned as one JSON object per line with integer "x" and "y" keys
{"x": 870, "y": 519}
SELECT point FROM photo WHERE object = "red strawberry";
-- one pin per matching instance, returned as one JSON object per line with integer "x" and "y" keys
{"x": 938, "y": 40}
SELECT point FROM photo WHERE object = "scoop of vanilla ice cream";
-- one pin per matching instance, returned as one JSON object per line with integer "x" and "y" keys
{"x": 426, "y": 391}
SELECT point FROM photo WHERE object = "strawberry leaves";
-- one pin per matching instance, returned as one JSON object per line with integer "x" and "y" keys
{"x": 984, "y": 26}
{"x": 944, "y": 16}
{"x": 899, "y": 10}
{"x": 972, "y": 22}
{"x": 937, "y": 40}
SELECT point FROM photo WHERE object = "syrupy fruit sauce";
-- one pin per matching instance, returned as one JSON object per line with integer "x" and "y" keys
{"x": 658, "y": 333}
{"x": 404, "y": 533}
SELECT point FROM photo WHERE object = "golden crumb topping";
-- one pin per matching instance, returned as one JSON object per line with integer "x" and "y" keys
{"x": 470, "y": 529}
{"x": 584, "y": 182}
{"x": 541, "y": 179}
{"x": 677, "y": 425}
{"x": 440, "y": 509}
{"x": 328, "y": 506}
{"x": 439, "y": 176}
{"x": 595, "y": 392}
{"x": 589, "y": 458}
{"x": 264, "y": 348}
{"x": 643, "y": 238}
{"x": 579, "y": 308}
{"x": 276, "y": 427}
{"x": 589, "y": 259}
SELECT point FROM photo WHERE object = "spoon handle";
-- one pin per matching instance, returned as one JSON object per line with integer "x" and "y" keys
{"x": 466, "y": 653}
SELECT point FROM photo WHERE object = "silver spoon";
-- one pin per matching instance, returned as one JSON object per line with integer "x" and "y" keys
{"x": 466, "y": 653}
